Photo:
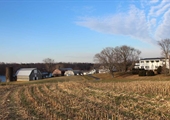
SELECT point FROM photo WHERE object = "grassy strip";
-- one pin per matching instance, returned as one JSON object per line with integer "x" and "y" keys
{"x": 126, "y": 77}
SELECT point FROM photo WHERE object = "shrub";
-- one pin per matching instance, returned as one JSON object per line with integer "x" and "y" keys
{"x": 150, "y": 73}
{"x": 142, "y": 73}
{"x": 164, "y": 70}
{"x": 159, "y": 70}
{"x": 135, "y": 71}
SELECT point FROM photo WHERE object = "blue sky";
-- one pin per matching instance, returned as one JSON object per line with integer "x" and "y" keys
{"x": 75, "y": 30}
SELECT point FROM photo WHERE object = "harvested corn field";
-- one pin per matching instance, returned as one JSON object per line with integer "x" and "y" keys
{"x": 84, "y": 100}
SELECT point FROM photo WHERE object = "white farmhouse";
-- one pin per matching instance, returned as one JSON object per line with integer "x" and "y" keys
{"x": 92, "y": 71}
{"x": 152, "y": 63}
{"x": 104, "y": 70}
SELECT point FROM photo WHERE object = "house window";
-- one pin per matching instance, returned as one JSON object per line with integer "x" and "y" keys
{"x": 147, "y": 67}
{"x": 147, "y": 61}
{"x": 142, "y": 61}
{"x": 142, "y": 67}
{"x": 152, "y": 61}
{"x": 157, "y": 60}
{"x": 35, "y": 71}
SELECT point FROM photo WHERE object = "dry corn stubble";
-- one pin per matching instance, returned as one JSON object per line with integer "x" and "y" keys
{"x": 87, "y": 100}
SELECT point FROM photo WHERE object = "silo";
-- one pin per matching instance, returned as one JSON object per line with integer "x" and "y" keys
{"x": 9, "y": 74}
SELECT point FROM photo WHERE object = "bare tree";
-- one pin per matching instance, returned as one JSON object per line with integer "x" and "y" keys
{"x": 119, "y": 58}
{"x": 165, "y": 47}
{"x": 106, "y": 58}
{"x": 49, "y": 64}
{"x": 59, "y": 65}
{"x": 127, "y": 56}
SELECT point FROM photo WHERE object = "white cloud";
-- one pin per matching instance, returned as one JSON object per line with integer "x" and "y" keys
{"x": 153, "y": 22}
{"x": 133, "y": 24}
{"x": 162, "y": 10}
{"x": 154, "y": 1}
{"x": 159, "y": 9}
{"x": 152, "y": 26}
{"x": 148, "y": 23}
{"x": 157, "y": 17}
{"x": 163, "y": 30}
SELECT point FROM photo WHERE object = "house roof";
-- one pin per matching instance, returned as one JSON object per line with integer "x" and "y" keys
{"x": 77, "y": 71}
{"x": 57, "y": 71}
{"x": 65, "y": 69}
{"x": 25, "y": 71}
{"x": 152, "y": 58}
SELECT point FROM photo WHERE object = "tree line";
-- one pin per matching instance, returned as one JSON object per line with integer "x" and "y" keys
{"x": 43, "y": 67}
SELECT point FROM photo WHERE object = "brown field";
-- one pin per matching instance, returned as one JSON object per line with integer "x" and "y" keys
{"x": 79, "y": 98}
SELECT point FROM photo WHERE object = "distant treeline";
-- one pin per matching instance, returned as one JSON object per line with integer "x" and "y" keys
{"x": 42, "y": 66}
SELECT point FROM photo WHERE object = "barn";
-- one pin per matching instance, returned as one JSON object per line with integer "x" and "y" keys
{"x": 28, "y": 74}
{"x": 69, "y": 73}
{"x": 56, "y": 73}
{"x": 63, "y": 70}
